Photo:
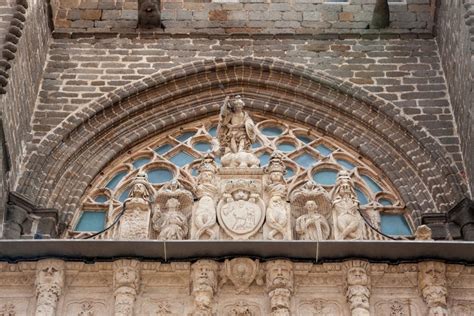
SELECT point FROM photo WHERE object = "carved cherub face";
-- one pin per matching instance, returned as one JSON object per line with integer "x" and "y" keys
{"x": 204, "y": 275}
{"x": 125, "y": 275}
{"x": 49, "y": 275}
{"x": 240, "y": 195}
{"x": 276, "y": 176}
{"x": 280, "y": 275}
{"x": 311, "y": 207}
{"x": 357, "y": 276}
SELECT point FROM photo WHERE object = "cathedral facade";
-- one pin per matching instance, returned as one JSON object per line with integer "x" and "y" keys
{"x": 260, "y": 157}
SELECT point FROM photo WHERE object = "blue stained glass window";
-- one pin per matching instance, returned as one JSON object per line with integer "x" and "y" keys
{"x": 101, "y": 199}
{"x": 116, "y": 179}
{"x": 346, "y": 164}
{"x": 324, "y": 150}
{"x": 325, "y": 177}
{"x": 213, "y": 131}
{"x": 202, "y": 147}
{"x": 159, "y": 175}
{"x": 394, "y": 224}
{"x": 264, "y": 158}
{"x": 361, "y": 196}
{"x": 91, "y": 221}
{"x": 272, "y": 131}
{"x": 304, "y": 139}
{"x": 185, "y": 136}
{"x": 289, "y": 173}
{"x": 218, "y": 160}
{"x": 286, "y": 147}
{"x": 124, "y": 195}
{"x": 385, "y": 202}
{"x": 182, "y": 158}
{"x": 140, "y": 162}
{"x": 371, "y": 183}
{"x": 256, "y": 145}
{"x": 163, "y": 149}
{"x": 305, "y": 160}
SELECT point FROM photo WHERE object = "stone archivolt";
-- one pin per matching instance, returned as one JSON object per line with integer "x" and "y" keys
{"x": 240, "y": 286}
{"x": 240, "y": 200}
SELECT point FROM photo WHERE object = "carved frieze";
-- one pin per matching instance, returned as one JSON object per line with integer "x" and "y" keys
{"x": 319, "y": 307}
{"x": 241, "y": 308}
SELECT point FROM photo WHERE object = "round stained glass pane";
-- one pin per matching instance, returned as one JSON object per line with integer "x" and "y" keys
{"x": 325, "y": 177}
{"x": 159, "y": 175}
{"x": 304, "y": 139}
{"x": 140, "y": 162}
{"x": 202, "y": 147}
{"x": 272, "y": 131}
{"x": 286, "y": 147}
{"x": 101, "y": 199}
{"x": 385, "y": 202}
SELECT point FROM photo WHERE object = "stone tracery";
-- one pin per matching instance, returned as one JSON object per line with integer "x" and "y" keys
{"x": 241, "y": 200}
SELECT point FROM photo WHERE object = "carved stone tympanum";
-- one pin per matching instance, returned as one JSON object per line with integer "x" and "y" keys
{"x": 49, "y": 286}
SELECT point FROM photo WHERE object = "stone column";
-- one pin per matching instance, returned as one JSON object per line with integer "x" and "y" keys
{"x": 126, "y": 283}
{"x": 432, "y": 285}
{"x": 358, "y": 287}
{"x": 49, "y": 286}
{"x": 204, "y": 286}
{"x": 279, "y": 279}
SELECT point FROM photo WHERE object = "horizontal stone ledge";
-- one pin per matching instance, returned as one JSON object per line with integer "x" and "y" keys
{"x": 138, "y": 34}
{"x": 326, "y": 251}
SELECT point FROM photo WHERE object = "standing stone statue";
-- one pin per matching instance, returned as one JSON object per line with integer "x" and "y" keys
{"x": 204, "y": 219}
{"x": 348, "y": 222}
{"x": 135, "y": 222}
{"x": 172, "y": 223}
{"x": 236, "y": 132}
{"x": 313, "y": 205}
{"x": 277, "y": 225}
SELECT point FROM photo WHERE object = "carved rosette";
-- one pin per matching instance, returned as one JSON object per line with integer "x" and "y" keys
{"x": 279, "y": 283}
{"x": 126, "y": 282}
{"x": 432, "y": 285}
{"x": 49, "y": 286}
{"x": 204, "y": 286}
{"x": 135, "y": 222}
{"x": 357, "y": 285}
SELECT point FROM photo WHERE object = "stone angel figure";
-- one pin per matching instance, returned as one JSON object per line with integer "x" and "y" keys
{"x": 236, "y": 131}
{"x": 313, "y": 205}
{"x": 176, "y": 201}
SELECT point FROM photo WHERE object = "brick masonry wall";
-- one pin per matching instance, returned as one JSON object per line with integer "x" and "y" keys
{"x": 456, "y": 51}
{"x": 406, "y": 72}
{"x": 18, "y": 104}
{"x": 245, "y": 16}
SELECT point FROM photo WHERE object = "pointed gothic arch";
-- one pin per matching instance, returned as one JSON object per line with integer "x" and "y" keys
{"x": 69, "y": 157}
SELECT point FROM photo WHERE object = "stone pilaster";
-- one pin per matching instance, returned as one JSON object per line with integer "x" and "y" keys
{"x": 432, "y": 286}
{"x": 126, "y": 283}
{"x": 204, "y": 286}
{"x": 49, "y": 286}
{"x": 279, "y": 279}
{"x": 357, "y": 285}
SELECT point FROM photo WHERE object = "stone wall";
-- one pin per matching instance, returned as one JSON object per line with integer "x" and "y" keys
{"x": 403, "y": 70}
{"x": 230, "y": 16}
{"x": 456, "y": 51}
{"x": 17, "y": 105}
{"x": 240, "y": 286}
